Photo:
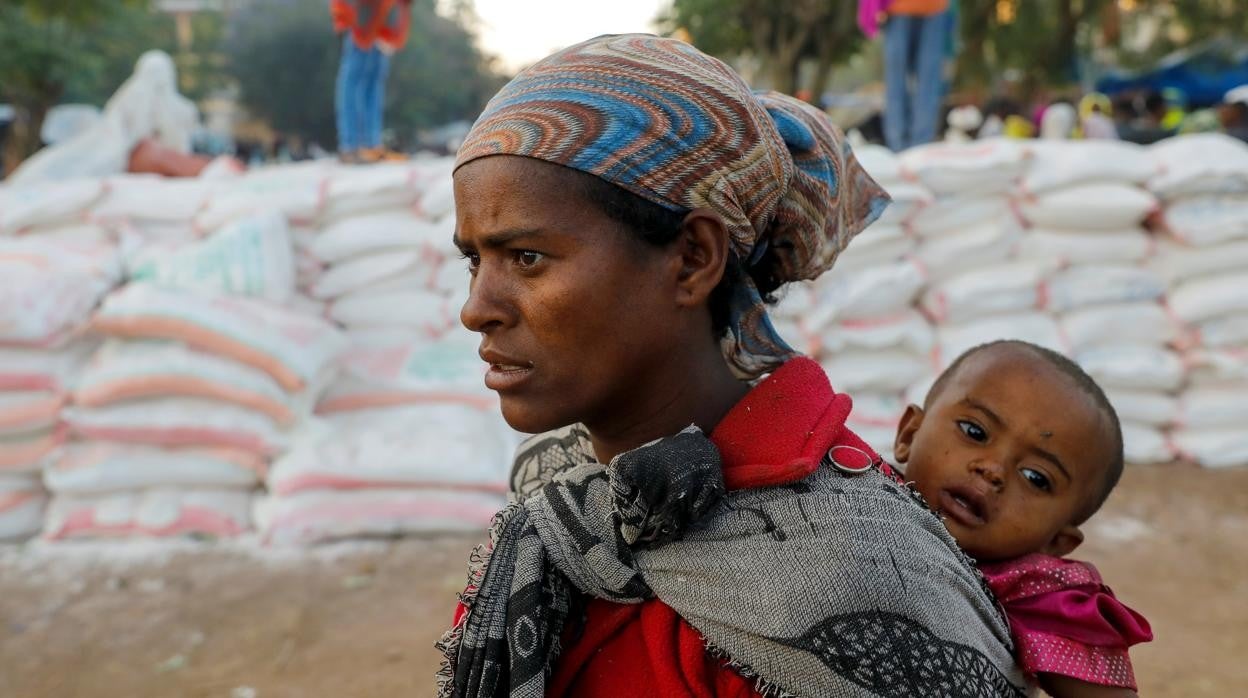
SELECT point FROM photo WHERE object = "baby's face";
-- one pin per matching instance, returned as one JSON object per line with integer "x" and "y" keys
{"x": 1009, "y": 453}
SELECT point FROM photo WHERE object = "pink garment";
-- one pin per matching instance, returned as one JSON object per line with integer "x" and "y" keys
{"x": 869, "y": 16}
{"x": 1065, "y": 620}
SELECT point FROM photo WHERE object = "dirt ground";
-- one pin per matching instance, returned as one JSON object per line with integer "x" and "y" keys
{"x": 359, "y": 619}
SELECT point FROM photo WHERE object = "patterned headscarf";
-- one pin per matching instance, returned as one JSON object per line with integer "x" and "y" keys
{"x": 676, "y": 127}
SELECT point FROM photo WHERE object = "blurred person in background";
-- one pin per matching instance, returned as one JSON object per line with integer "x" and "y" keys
{"x": 373, "y": 30}
{"x": 1094, "y": 110}
{"x": 1233, "y": 113}
{"x": 916, "y": 42}
{"x": 1059, "y": 122}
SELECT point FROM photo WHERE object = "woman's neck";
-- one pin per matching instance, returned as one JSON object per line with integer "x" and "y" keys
{"x": 698, "y": 390}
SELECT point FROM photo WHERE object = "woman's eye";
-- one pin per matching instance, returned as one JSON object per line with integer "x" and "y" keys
{"x": 973, "y": 431}
{"x": 1038, "y": 479}
{"x": 527, "y": 258}
{"x": 473, "y": 259}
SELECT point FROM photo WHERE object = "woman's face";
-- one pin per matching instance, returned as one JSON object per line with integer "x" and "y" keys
{"x": 576, "y": 314}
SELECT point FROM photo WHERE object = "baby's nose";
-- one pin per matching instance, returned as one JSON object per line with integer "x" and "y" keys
{"x": 991, "y": 471}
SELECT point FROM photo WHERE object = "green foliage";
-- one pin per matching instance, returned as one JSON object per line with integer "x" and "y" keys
{"x": 68, "y": 50}
{"x": 284, "y": 56}
{"x": 781, "y": 35}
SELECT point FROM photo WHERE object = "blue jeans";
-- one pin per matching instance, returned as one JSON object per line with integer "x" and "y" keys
{"x": 360, "y": 96}
{"x": 914, "y": 51}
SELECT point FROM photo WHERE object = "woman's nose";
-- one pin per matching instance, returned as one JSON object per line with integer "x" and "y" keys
{"x": 484, "y": 310}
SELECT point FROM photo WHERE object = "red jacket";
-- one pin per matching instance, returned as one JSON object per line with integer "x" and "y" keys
{"x": 777, "y": 434}
{"x": 387, "y": 22}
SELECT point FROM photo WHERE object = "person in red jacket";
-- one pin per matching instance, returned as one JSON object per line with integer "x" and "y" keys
{"x": 373, "y": 30}
{"x": 693, "y": 517}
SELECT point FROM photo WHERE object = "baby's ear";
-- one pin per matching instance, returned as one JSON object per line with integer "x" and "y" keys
{"x": 910, "y": 423}
{"x": 1064, "y": 542}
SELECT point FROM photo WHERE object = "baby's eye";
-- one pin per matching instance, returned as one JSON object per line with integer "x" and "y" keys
{"x": 527, "y": 258}
{"x": 1038, "y": 479}
{"x": 973, "y": 431}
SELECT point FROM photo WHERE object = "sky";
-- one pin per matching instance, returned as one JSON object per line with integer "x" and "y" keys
{"x": 520, "y": 32}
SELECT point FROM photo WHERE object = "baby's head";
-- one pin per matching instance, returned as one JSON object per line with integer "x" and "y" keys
{"x": 1016, "y": 447}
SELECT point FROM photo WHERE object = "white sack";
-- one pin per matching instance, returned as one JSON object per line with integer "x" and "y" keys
{"x": 1102, "y": 284}
{"x": 1213, "y": 448}
{"x": 323, "y": 515}
{"x": 1208, "y": 220}
{"x": 377, "y": 232}
{"x": 1037, "y": 328}
{"x": 983, "y": 167}
{"x": 1008, "y": 288}
{"x": 1205, "y": 298}
{"x": 1177, "y": 263}
{"x": 1214, "y": 407}
{"x": 1063, "y": 164}
{"x": 877, "y": 371}
{"x": 1133, "y": 367}
{"x": 979, "y": 246}
{"x": 1204, "y": 163}
{"x": 252, "y": 256}
{"x": 953, "y": 215}
{"x": 1145, "y": 445}
{"x": 95, "y": 467}
{"x": 866, "y": 293}
{"x": 908, "y": 331}
{"x": 1091, "y": 206}
{"x": 433, "y": 446}
{"x": 1119, "y": 323}
{"x": 1147, "y": 407}
{"x": 154, "y": 513}
{"x": 46, "y": 203}
{"x": 1074, "y": 247}
{"x": 295, "y": 349}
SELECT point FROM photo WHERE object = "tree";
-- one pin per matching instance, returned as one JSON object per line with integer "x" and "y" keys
{"x": 53, "y": 50}
{"x": 781, "y": 35}
{"x": 284, "y": 56}
{"x": 1043, "y": 39}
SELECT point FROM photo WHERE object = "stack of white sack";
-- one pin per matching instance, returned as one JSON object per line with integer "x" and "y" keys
{"x": 971, "y": 223}
{"x": 206, "y": 372}
{"x": 151, "y": 210}
{"x": 409, "y": 441}
{"x": 51, "y": 278}
{"x": 385, "y": 247}
{"x": 890, "y": 238}
{"x": 1086, "y": 209}
{"x": 1203, "y": 184}
{"x": 969, "y": 234}
{"x": 871, "y": 341}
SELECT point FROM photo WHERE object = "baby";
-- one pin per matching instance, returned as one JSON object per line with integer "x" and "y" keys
{"x": 1015, "y": 447}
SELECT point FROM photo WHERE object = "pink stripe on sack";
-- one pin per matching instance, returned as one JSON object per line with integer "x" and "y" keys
{"x": 356, "y": 511}
{"x": 316, "y": 481}
{"x": 191, "y": 519}
{"x": 177, "y": 436}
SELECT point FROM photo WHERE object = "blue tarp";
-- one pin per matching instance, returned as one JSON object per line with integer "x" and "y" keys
{"x": 1204, "y": 73}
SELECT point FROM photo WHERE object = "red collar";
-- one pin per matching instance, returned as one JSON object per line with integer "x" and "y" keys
{"x": 783, "y": 427}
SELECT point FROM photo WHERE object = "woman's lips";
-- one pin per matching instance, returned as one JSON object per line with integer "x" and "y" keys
{"x": 504, "y": 377}
{"x": 963, "y": 507}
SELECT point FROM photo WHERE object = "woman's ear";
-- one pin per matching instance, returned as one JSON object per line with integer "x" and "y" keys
{"x": 704, "y": 249}
{"x": 1064, "y": 542}
{"x": 910, "y": 423}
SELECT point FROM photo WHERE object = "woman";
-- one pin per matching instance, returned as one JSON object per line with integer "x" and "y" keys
{"x": 625, "y": 206}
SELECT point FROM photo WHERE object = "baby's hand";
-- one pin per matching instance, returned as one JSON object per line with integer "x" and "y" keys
{"x": 1065, "y": 687}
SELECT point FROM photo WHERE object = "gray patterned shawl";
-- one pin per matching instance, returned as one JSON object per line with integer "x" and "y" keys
{"x": 837, "y": 585}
